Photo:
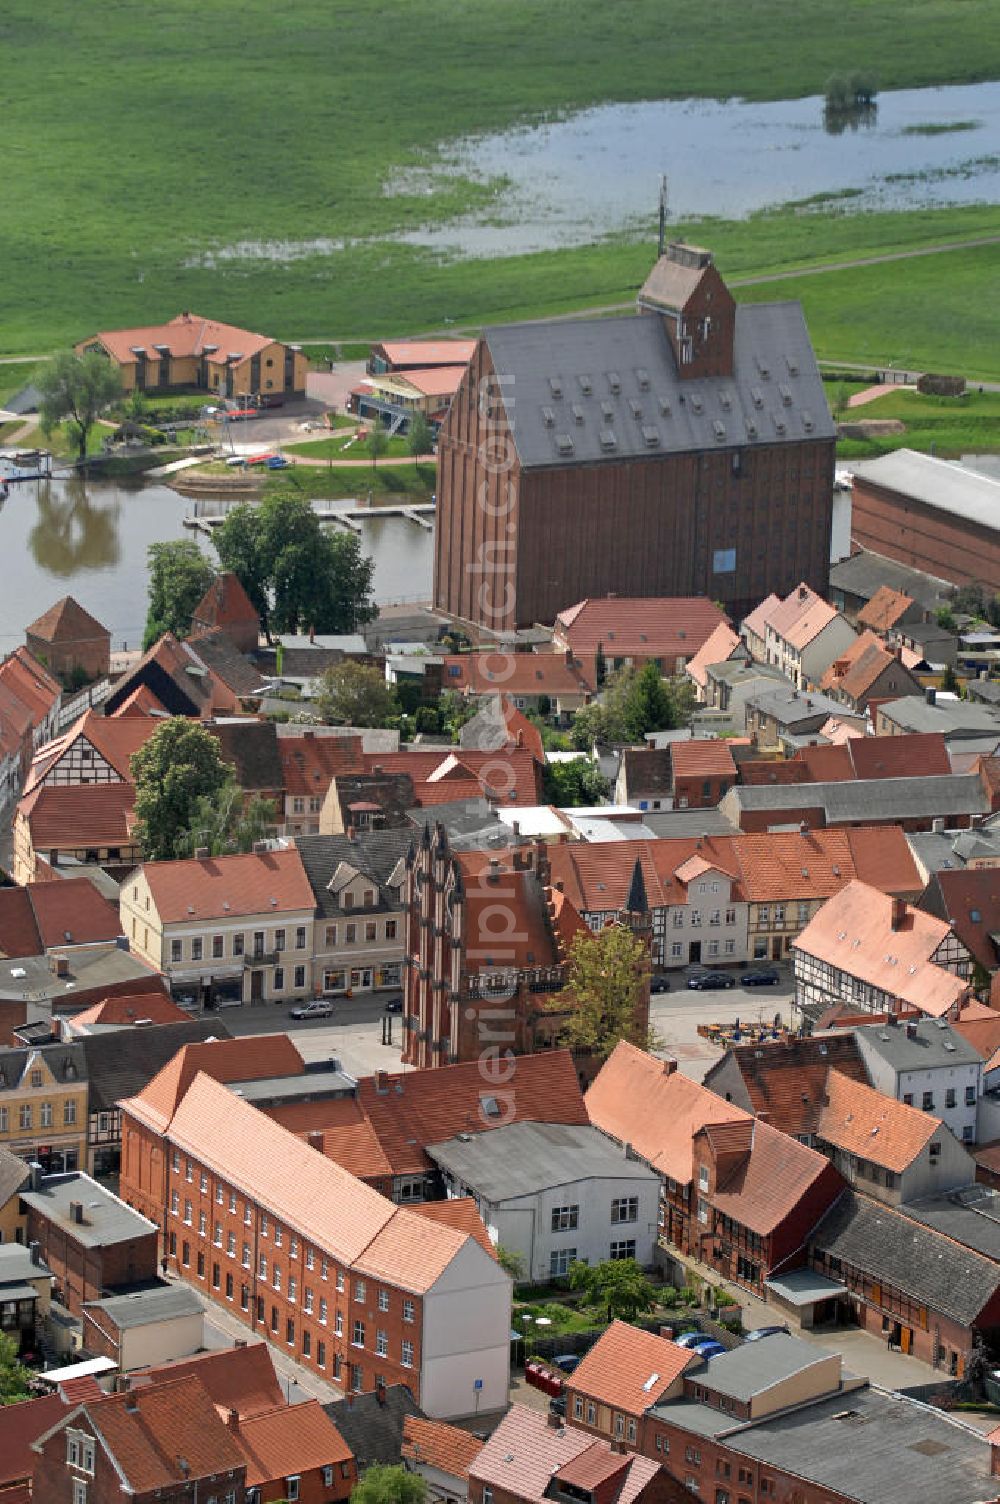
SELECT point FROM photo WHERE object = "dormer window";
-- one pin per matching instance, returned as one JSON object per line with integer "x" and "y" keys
{"x": 349, "y": 899}
{"x": 369, "y": 897}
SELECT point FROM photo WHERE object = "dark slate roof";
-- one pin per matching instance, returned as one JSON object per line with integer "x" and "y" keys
{"x": 13, "y": 1174}
{"x": 683, "y": 415}
{"x": 932, "y": 1045}
{"x": 252, "y": 749}
{"x": 470, "y": 825}
{"x": 688, "y": 822}
{"x": 236, "y": 671}
{"x": 871, "y": 798}
{"x": 373, "y": 1428}
{"x": 894, "y": 1249}
{"x": 971, "y": 1216}
{"x": 123, "y": 1062}
{"x": 65, "y": 1061}
{"x": 864, "y": 573}
{"x": 373, "y": 852}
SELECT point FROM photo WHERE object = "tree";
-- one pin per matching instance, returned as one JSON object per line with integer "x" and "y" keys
{"x": 14, "y": 1377}
{"x": 297, "y": 575}
{"x": 352, "y": 694}
{"x": 605, "y": 980}
{"x": 226, "y": 822}
{"x": 634, "y": 701}
{"x": 572, "y": 783}
{"x": 381, "y": 1484}
{"x": 179, "y": 766}
{"x": 75, "y": 390}
{"x": 648, "y": 703}
{"x": 949, "y": 681}
{"x": 179, "y": 575}
{"x": 618, "y": 1286}
{"x": 378, "y": 442}
{"x": 511, "y": 1262}
{"x": 420, "y": 439}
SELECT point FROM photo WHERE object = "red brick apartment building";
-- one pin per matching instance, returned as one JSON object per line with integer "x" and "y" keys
{"x": 686, "y": 450}
{"x": 307, "y": 1256}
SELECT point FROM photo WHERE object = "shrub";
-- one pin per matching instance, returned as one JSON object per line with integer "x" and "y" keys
{"x": 941, "y": 386}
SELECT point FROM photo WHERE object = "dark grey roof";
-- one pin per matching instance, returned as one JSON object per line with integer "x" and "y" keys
{"x": 236, "y": 671}
{"x": 375, "y": 853}
{"x": 871, "y": 798}
{"x": 373, "y": 1427}
{"x": 734, "y": 671}
{"x": 987, "y": 691}
{"x": 32, "y": 977}
{"x": 896, "y": 1250}
{"x": 636, "y": 391}
{"x": 954, "y": 718}
{"x": 756, "y": 1367}
{"x": 864, "y": 573}
{"x": 143, "y": 1307}
{"x": 688, "y": 822}
{"x": 971, "y": 1216}
{"x": 522, "y": 1159}
{"x": 933, "y": 1044}
{"x": 874, "y": 1447}
{"x": 252, "y": 749}
{"x": 790, "y": 707}
{"x": 13, "y": 1173}
{"x": 122, "y": 1063}
{"x": 66, "y": 1062}
{"x": 106, "y": 1219}
{"x": 470, "y": 824}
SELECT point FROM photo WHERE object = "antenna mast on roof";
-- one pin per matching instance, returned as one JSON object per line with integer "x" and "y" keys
{"x": 662, "y": 239}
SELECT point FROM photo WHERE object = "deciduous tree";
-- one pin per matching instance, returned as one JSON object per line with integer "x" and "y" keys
{"x": 179, "y": 575}
{"x": 381, "y": 1484}
{"x": 605, "y": 980}
{"x": 14, "y": 1377}
{"x": 226, "y": 822}
{"x": 617, "y": 1286}
{"x": 579, "y": 781}
{"x": 178, "y": 767}
{"x": 76, "y": 390}
{"x": 377, "y": 442}
{"x": 352, "y": 694}
{"x": 420, "y": 437}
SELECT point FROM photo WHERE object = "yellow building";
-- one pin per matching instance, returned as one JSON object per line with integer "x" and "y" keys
{"x": 190, "y": 351}
{"x": 43, "y": 1105}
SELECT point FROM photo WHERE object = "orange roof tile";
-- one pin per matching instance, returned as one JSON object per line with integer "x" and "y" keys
{"x": 853, "y": 932}
{"x": 309, "y": 762}
{"x": 73, "y": 912}
{"x": 983, "y": 1033}
{"x": 755, "y": 625}
{"x": 254, "y": 1057}
{"x": 862, "y": 1121}
{"x": 786, "y": 617}
{"x": 411, "y": 1251}
{"x": 235, "y": 1378}
{"x": 529, "y": 941}
{"x": 449, "y": 1449}
{"x": 347, "y": 1135}
{"x": 31, "y": 683}
{"x": 460, "y": 1213}
{"x": 128, "y": 1009}
{"x": 770, "y": 1181}
{"x": 524, "y": 1453}
{"x": 640, "y": 1100}
{"x": 640, "y": 626}
{"x": 224, "y": 604}
{"x": 265, "y": 882}
{"x": 66, "y": 816}
{"x": 515, "y": 673}
{"x": 786, "y": 1078}
{"x": 116, "y": 741}
{"x": 884, "y": 609}
{"x": 423, "y": 353}
{"x": 718, "y": 647}
{"x": 619, "y": 1367}
{"x": 185, "y": 335}
{"x": 288, "y": 1440}
{"x": 141, "y": 702}
{"x": 702, "y": 759}
{"x": 66, "y": 621}
{"x": 161, "y": 1434}
{"x": 521, "y": 774}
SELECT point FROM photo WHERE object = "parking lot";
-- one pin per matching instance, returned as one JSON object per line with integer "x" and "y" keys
{"x": 675, "y": 1017}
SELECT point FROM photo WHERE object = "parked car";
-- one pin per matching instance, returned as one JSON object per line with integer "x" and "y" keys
{"x": 568, "y": 1362}
{"x": 709, "y": 1349}
{"x": 691, "y": 1339}
{"x": 708, "y": 981}
{"x": 394, "y": 1004}
{"x": 760, "y": 976}
{"x": 660, "y": 984}
{"x": 317, "y": 1007}
{"x": 765, "y": 1331}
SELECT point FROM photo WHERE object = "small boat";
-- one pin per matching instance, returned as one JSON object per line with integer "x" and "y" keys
{"x": 25, "y": 464}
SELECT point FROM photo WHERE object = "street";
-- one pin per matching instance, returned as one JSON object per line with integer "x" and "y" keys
{"x": 675, "y": 1016}
{"x": 352, "y": 1035}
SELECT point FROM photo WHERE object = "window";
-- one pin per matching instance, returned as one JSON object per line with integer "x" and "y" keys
{"x": 578, "y": 1408}
{"x": 331, "y": 935}
{"x": 970, "y": 1096}
{"x": 950, "y": 1099}
{"x": 176, "y": 950}
{"x": 188, "y": 1212}
{"x": 350, "y": 934}
{"x": 623, "y": 1250}
{"x": 591, "y": 1413}
{"x": 407, "y": 1354}
{"x": 262, "y": 1266}
{"x": 202, "y": 1224}
{"x": 300, "y": 937}
{"x": 625, "y": 1209}
{"x": 338, "y": 1323}
{"x": 565, "y": 1218}
{"x": 290, "y": 1331}
{"x": 245, "y": 1260}
{"x": 300, "y": 976}
{"x": 201, "y": 1266}
{"x": 307, "y": 1344}
{"x": 45, "y": 1115}
{"x": 79, "y": 1491}
{"x": 560, "y": 1260}
{"x": 692, "y": 1455}
{"x": 25, "y": 1115}
{"x": 730, "y": 916}
{"x": 279, "y": 939}
{"x": 237, "y": 945}
{"x": 928, "y": 1101}
{"x": 730, "y": 947}
{"x": 359, "y": 1289}
{"x": 217, "y": 1234}
{"x": 264, "y": 1224}
{"x": 247, "y": 1214}
{"x": 279, "y": 978}
{"x": 232, "y": 1201}
{"x": 321, "y": 1357}
{"x": 276, "y": 1276}
{"x": 390, "y": 929}
{"x": 323, "y": 1309}
{"x": 196, "y": 948}
{"x": 293, "y": 1286}
{"x": 358, "y": 1335}
{"x": 715, "y": 918}
{"x": 381, "y": 1343}
{"x": 935, "y": 1153}
{"x": 36, "y": 1078}
{"x": 357, "y": 1378}
{"x": 677, "y": 917}
{"x": 907, "y": 1099}
{"x": 676, "y": 950}
{"x": 175, "y": 1202}
{"x": 307, "y": 1300}
{"x": 310, "y": 1259}
{"x": 779, "y": 913}
{"x": 203, "y": 1183}
{"x": 630, "y": 1430}
{"x": 383, "y": 1300}
{"x": 327, "y": 1476}
{"x": 218, "y": 947}
{"x": 407, "y": 1310}
{"x": 229, "y": 1286}
{"x": 713, "y": 947}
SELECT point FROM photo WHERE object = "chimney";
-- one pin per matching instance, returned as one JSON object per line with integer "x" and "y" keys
{"x": 669, "y": 1066}
{"x": 76, "y": 1212}
{"x": 911, "y": 1028}
{"x": 493, "y": 876}
{"x": 520, "y": 737}
{"x": 898, "y": 913}
{"x": 34, "y": 1249}
{"x": 381, "y": 1082}
{"x": 233, "y": 1420}
{"x": 182, "y": 1462}
{"x": 803, "y": 592}
{"x": 930, "y": 695}
{"x": 569, "y": 656}
{"x": 37, "y": 1175}
{"x": 59, "y": 966}
{"x": 937, "y": 825}
{"x": 667, "y": 1332}
{"x": 555, "y": 1421}
{"x": 312, "y": 634}
{"x": 240, "y": 1342}
{"x": 380, "y": 1392}
{"x": 351, "y": 833}
{"x": 315, "y": 1139}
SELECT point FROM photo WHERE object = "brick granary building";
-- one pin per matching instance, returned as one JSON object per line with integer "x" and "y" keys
{"x": 685, "y": 450}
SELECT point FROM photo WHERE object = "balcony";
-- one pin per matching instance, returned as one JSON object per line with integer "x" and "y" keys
{"x": 253, "y": 958}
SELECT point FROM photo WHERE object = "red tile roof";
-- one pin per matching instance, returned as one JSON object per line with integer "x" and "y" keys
{"x": 309, "y": 762}
{"x": 235, "y": 1378}
{"x": 130, "y": 1008}
{"x": 983, "y": 1033}
{"x": 800, "y": 617}
{"x": 64, "y": 817}
{"x": 529, "y": 941}
{"x": 718, "y": 647}
{"x": 288, "y": 1440}
{"x": 786, "y": 1078}
{"x": 970, "y": 899}
{"x": 347, "y": 1135}
{"x": 702, "y": 758}
{"x": 187, "y": 334}
{"x": 639, "y": 626}
{"x": 66, "y": 621}
{"x": 516, "y": 674}
{"x": 73, "y": 912}
{"x": 18, "y": 929}
{"x": 225, "y": 604}
{"x": 618, "y": 1369}
{"x": 32, "y": 684}
{"x": 116, "y": 741}
{"x": 266, "y": 882}
{"x": 525, "y": 1452}
{"x": 884, "y": 609}
{"x": 853, "y": 932}
{"x": 440, "y": 777}
{"x": 161, "y": 1434}
{"x": 640, "y": 1100}
{"x": 141, "y": 702}
{"x": 460, "y": 1213}
{"x": 784, "y": 866}
{"x": 423, "y": 353}
{"x": 861, "y": 1121}
{"x": 254, "y": 1057}
{"x": 755, "y": 625}
{"x": 20, "y": 1425}
{"x": 769, "y": 1182}
{"x": 432, "y": 1443}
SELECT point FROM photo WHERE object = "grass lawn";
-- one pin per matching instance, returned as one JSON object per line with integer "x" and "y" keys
{"x": 14, "y": 376}
{"x": 324, "y": 449}
{"x": 270, "y": 130}
{"x": 406, "y": 482}
{"x": 946, "y": 426}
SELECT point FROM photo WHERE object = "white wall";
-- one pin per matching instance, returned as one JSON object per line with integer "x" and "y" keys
{"x": 162, "y": 1340}
{"x": 938, "y": 1081}
{"x": 466, "y": 1337}
{"x": 524, "y": 1224}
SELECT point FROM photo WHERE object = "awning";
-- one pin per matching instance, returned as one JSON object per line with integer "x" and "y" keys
{"x": 803, "y": 1287}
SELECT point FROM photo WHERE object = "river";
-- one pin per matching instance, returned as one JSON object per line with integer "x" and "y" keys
{"x": 89, "y": 539}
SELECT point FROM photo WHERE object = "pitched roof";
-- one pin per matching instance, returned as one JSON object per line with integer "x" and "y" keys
{"x": 885, "y": 609}
{"x": 983, "y": 1033}
{"x": 347, "y": 1135}
{"x": 289, "y": 1439}
{"x": 162, "y": 1434}
{"x": 498, "y": 723}
{"x": 516, "y": 673}
{"x": 259, "y": 882}
{"x": 935, "y": 483}
{"x": 702, "y": 758}
{"x": 235, "y": 1378}
{"x": 216, "y": 652}
{"x": 414, "y": 1108}
{"x": 862, "y": 1121}
{"x": 254, "y": 1057}
{"x": 786, "y": 1078}
{"x": 768, "y": 1184}
{"x": 184, "y": 335}
{"x": 459, "y": 1213}
{"x": 629, "y": 1369}
{"x": 524, "y": 1455}
{"x": 31, "y": 683}
{"x": 66, "y": 621}
{"x": 225, "y": 603}
{"x": 14, "y": 1173}
{"x": 648, "y": 770}
{"x": 718, "y": 647}
{"x": 122, "y": 1062}
{"x": 755, "y": 624}
{"x": 530, "y": 941}
{"x": 432, "y": 1443}
{"x": 424, "y": 353}
{"x": 799, "y": 606}
{"x": 372, "y": 1424}
{"x": 640, "y": 1100}
{"x": 666, "y": 627}
{"x": 72, "y": 912}
{"x": 20, "y": 1425}
{"x": 441, "y": 777}
{"x": 125, "y": 1010}
{"x": 116, "y": 741}
{"x": 969, "y": 899}
{"x": 309, "y": 762}
{"x": 798, "y": 865}
{"x": 62, "y": 817}
{"x": 894, "y": 1249}
{"x": 921, "y": 754}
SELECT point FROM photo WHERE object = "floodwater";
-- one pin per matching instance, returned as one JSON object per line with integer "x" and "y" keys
{"x": 88, "y": 539}
{"x": 594, "y": 173}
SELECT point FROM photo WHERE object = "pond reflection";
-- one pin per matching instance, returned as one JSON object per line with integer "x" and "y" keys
{"x": 72, "y": 532}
